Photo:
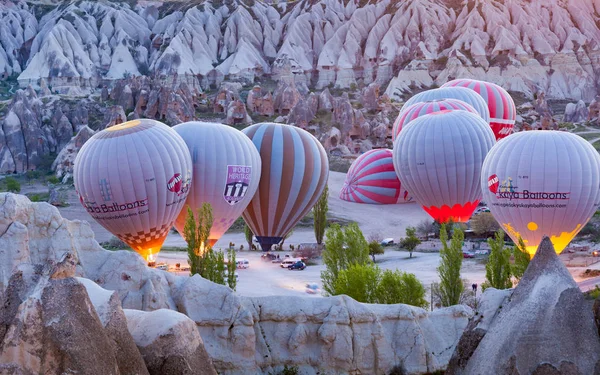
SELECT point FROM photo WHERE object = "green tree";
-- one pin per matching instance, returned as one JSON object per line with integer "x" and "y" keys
{"x": 359, "y": 281}
{"x": 522, "y": 260}
{"x": 320, "y": 215}
{"x": 427, "y": 227}
{"x": 231, "y": 268}
{"x": 375, "y": 248}
{"x": 12, "y": 185}
{"x": 249, "y": 235}
{"x": 411, "y": 241}
{"x": 401, "y": 287}
{"x": 342, "y": 248}
{"x": 451, "y": 286}
{"x": 497, "y": 269}
{"x": 202, "y": 258}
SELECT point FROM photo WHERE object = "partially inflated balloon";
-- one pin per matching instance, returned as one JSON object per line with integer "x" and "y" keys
{"x": 133, "y": 179}
{"x": 226, "y": 169}
{"x": 424, "y": 108}
{"x": 372, "y": 179}
{"x": 539, "y": 183}
{"x": 294, "y": 173}
{"x": 503, "y": 112}
{"x": 438, "y": 158}
{"x": 460, "y": 93}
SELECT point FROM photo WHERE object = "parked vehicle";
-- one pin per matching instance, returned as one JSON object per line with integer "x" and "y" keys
{"x": 312, "y": 288}
{"x": 387, "y": 242}
{"x": 268, "y": 256}
{"x": 243, "y": 263}
{"x": 299, "y": 265}
{"x": 162, "y": 266}
{"x": 468, "y": 254}
{"x": 288, "y": 262}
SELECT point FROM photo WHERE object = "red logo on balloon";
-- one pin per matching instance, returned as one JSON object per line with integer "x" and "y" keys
{"x": 493, "y": 183}
{"x": 175, "y": 183}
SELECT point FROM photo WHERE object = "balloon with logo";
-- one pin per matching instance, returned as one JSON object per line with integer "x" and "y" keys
{"x": 438, "y": 158}
{"x": 459, "y": 93}
{"x": 226, "y": 168}
{"x": 372, "y": 179}
{"x": 294, "y": 174}
{"x": 503, "y": 112}
{"x": 133, "y": 179}
{"x": 424, "y": 108}
{"x": 539, "y": 183}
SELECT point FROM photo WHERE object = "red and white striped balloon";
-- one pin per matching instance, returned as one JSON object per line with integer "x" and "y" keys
{"x": 424, "y": 108}
{"x": 503, "y": 112}
{"x": 372, "y": 179}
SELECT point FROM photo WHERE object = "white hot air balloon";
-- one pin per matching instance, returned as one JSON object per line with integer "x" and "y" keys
{"x": 133, "y": 179}
{"x": 438, "y": 158}
{"x": 460, "y": 93}
{"x": 227, "y": 171}
{"x": 540, "y": 183}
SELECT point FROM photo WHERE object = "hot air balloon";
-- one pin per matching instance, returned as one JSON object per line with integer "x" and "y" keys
{"x": 459, "y": 93}
{"x": 503, "y": 112}
{"x": 372, "y": 179}
{"x": 294, "y": 174}
{"x": 133, "y": 179}
{"x": 438, "y": 158}
{"x": 424, "y": 108}
{"x": 539, "y": 183}
{"x": 226, "y": 168}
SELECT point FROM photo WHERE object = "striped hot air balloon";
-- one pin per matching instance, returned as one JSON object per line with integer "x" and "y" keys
{"x": 372, "y": 179}
{"x": 459, "y": 93}
{"x": 424, "y": 108}
{"x": 294, "y": 174}
{"x": 438, "y": 158}
{"x": 133, "y": 179}
{"x": 503, "y": 112}
{"x": 226, "y": 173}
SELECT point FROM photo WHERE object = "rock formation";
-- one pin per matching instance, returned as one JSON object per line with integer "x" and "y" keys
{"x": 63, "y": 165}
{"x": 242, "y": 335}
{"x": 544, "y": 326}
{"x": 576, "y": 112}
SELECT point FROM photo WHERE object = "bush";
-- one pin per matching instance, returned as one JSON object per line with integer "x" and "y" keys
{"x": 359, "y": 281}
{"x": 12, "y": 185}
{"x": 375, "y": 248}
{"x": 401, "y": 287}
{"x": 53, "y": 180}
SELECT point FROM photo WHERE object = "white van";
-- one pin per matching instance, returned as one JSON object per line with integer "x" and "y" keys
{"x": 289, "y": 261}
{"x": 242, "y": 263}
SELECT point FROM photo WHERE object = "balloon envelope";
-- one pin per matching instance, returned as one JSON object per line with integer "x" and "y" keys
{"x": 133, "y": 179}
{"x": 294, "y": 173}
{"x": 503, "y": 112}
{"x": 459, "y": 93}
{"x": 424, "y": 108}
{"x": 540, "y": 183}
{"x": 372, "y": 179}
{"x": 438, "y": 158}
{"x": 226, "y": 168}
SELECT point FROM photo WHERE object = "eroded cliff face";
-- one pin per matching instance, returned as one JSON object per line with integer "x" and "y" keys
{"x": 242, "y": 335}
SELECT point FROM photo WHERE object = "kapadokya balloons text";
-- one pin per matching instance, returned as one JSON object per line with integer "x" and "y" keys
{"x": 460, "y": 93}
{"x": 539, "y": 183}
{"x": 294, "y": 173}
{"x": 424, "y": 108}
{"x": 438, "y": 158}
{"x": 503, "y": 112}
{"x": 133, "y": 179}
{"x": 372, "y": 179}
{"x": 226, "y": 168}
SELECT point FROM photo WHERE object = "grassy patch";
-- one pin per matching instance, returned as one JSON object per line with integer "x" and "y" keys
{"x": 589, "y": 136}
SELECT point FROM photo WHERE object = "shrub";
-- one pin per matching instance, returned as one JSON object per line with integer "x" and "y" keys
{"x": 12, "y": 185}
{"x": 53, "y": 180}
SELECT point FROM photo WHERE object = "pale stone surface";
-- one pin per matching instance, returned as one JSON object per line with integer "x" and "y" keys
{"x": 242, "y": 335}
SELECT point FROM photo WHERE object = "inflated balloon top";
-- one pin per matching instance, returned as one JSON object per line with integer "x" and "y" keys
{"x": 407, "y": 114}
{"x": 226, "y": 168}
{"x": 460, "y": 93}
{"x": 372, "y": 179}
{"x": 438, "y": 158}
{"x": 294, "y": 174}
{"x": 539, "y": 183}
{"x": 133, "y": 179}
{"x": 503, "y": 112}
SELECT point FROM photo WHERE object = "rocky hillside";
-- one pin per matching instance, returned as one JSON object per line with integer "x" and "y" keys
{"x": 338, "y": 68}
{"x": 524, "y": 45}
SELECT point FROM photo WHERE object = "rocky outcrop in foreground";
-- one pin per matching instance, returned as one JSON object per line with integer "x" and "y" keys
{"x": 241, "y": 335}
{"x": 542, "y": 327}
